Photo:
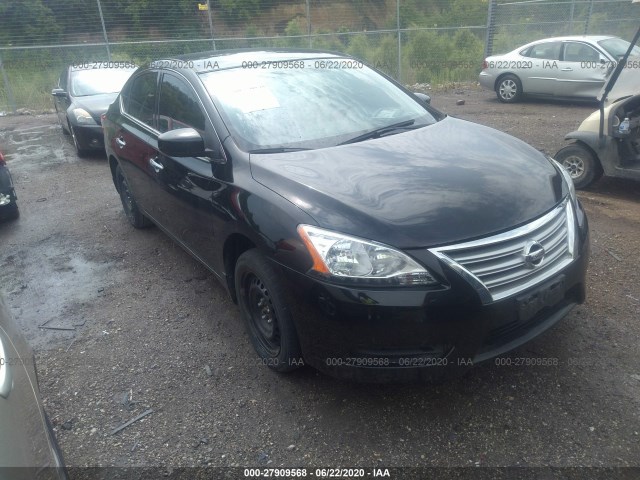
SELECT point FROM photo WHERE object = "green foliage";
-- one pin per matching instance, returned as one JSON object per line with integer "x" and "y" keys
{"x": 27, "y": 23}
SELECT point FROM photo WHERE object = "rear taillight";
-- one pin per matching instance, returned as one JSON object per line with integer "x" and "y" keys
{"x": 485, "y": 65}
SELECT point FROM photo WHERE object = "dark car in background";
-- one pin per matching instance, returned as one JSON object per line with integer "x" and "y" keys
{"x": 83, "y": 94}
{"x": 360, "y": 230}
{"x": 28, "y": 446}
{"x": 8, "y": 198}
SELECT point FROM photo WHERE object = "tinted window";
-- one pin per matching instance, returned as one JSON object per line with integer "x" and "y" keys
{"x": 141, "y": 99}
{"x": 546, "y": 51}
{"x": 179, "y": 107}
{"x": 580, "y": 52}
{"x": 311, "y": 106}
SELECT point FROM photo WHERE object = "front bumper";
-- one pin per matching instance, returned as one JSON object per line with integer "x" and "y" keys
{"x": 89, "y": 137}
{"x": 379, "y": 335}
{"x": 487, "y": 80}
{"x": 8, "y": 195}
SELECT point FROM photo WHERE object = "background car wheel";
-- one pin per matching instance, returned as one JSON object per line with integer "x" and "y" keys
{"x": 136, "y": 218}
{"x": 268, "y": 319}
{"x": 509, "y": 89}
{"x": 81, "y": 152}
{"x": 580, "y": 163}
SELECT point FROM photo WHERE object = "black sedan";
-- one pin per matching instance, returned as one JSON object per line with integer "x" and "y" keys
{"x": 360, "y": 230}
{"x": 8, "y": 198}
{"x": 83, "y": 94}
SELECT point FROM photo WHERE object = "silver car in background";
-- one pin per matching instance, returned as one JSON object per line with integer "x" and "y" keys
{"x": 28, "y": 447}
{"x": 562, "y": 67}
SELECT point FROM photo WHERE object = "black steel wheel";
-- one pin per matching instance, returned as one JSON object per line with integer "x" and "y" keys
{"x": 267, "y": 317}
{"x": 81, "y": 152}
{"x": 134, "y": 215}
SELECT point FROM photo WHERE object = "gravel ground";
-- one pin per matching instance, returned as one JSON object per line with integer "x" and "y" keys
{"x": 148, "y": 328}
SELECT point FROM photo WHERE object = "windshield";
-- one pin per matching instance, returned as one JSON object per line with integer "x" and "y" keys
{"x": 617, "y": 47}
{"x": 98, "y": 81}
{"x": 313, "y": 105}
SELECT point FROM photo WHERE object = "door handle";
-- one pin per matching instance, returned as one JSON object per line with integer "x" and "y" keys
{"x": 567, "y": 69}
{"x": 157, "y": 166}
{"x": 120, "y": 142}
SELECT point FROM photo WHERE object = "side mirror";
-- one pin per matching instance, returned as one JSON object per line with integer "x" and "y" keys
{"x": 58, "y": 92}
{"x": 182, "y": 142}
{"x": 424, "y": 97}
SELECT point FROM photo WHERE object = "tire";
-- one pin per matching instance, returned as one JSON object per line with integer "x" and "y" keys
{"x": 129, "y": 205}
{"x": 581, "y": 164}
{"x": 267, "y": 317}
{"x": 509, "y": 88}
{"x": 81, "y": 152}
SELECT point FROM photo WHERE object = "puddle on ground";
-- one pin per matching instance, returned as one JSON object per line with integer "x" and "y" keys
{"x": 53, "y": 286}
{"x": 31, "y": 148}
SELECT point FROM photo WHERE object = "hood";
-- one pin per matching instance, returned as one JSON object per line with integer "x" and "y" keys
{"x": 626, "y": 84}
{"x": 444, "y": 183}
{"x": 96, "y": 105}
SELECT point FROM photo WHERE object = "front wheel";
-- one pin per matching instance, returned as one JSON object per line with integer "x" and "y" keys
{"x": 509, "y": 89}
{"x": 581, "y": 164}
{"x": 268, "y": 318}
{"x": 81, "y": 152}
{"x": 129, "y": 205}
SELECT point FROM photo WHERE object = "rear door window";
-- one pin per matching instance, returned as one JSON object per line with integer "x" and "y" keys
{"x": 545, "y": 51}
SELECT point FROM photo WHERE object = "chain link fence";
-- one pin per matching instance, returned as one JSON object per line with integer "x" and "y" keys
{"x": 414, "y": 41}
{"x": 514, "y": 23}
{"x": 422, "y": 41}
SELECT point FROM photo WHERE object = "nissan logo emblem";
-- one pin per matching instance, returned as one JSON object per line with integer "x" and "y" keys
{"x": 533, "y": 254}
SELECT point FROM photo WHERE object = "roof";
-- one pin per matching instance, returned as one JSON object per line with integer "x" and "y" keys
{"x": 247, "y": 58}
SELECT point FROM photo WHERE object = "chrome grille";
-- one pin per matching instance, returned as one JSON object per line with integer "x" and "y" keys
{"x": 498, "y": 266}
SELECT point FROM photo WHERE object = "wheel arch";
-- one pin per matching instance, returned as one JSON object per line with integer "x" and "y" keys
{"x": 588, "y": 140}
{"x": 504, "y": 74}
{"x": 113, "y": 164}
{"x": 234, "y": 246}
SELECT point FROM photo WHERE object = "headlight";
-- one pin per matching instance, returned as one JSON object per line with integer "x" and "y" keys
{"x": 83, "y": 117}
{"x": 354, "y": 259}
{"x": 567, "y": 178}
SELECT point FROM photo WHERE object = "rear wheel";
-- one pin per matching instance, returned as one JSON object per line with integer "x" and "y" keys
{"x": 581, "y": 164}
{"x": 268, "y": 318}
{"x": 129, "y": 205}
{"x": 509, "y": 89}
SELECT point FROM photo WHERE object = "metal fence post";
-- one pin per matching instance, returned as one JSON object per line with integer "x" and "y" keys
{"x": 104, "y": 31}
{"x": 491, "y": 26}
{"x": 213, "y": 38}
{"x": 586, "y": 25}
{"x": 7, "y": 87}
{"x": 399, "y": 41}
{"x": 571, "y": 14}
{"x": 308, "y": 22}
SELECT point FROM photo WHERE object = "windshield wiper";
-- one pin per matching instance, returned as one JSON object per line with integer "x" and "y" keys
{"x": 278, "y": 150}
{"x": 379, "y": 132}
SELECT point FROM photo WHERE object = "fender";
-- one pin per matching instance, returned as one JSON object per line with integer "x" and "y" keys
{"x": 605, "y": 155}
